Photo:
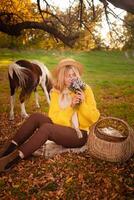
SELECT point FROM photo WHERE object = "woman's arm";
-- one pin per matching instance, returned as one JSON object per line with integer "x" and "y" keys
{"x": 87, "y": 108}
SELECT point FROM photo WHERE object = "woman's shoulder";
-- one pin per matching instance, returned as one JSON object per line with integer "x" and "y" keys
{"x": 87, "y": 87}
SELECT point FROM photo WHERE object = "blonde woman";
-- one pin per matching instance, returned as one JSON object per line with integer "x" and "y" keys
{"x": 69, "y": 118}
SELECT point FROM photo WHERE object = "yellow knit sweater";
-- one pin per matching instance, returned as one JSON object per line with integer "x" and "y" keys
{"x": 87, "y": 112}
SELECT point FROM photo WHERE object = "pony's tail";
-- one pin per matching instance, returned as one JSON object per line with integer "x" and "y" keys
{"x": 19, "y": 71}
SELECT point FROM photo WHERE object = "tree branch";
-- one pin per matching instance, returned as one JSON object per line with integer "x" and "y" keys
{"x": 127, "y": 5}
{"x": 15, "y": 30}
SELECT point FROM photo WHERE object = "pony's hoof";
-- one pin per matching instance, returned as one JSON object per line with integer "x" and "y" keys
{"x": 38, "y": 106}
{"x": 24, "y": 116}
{"x": 11, "y": 118}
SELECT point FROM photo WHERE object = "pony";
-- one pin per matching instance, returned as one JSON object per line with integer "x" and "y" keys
{"x": 27, "y": 75}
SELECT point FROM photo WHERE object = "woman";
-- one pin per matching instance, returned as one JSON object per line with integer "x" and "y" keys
{"x": 68, "y": 121}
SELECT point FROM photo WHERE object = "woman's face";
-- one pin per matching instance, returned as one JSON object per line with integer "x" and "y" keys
{"x": 69, "y": 76}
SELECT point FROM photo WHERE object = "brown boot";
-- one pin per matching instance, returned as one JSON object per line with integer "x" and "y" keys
{"x": 7, "y": 162}
{"x": 8, "y": 146}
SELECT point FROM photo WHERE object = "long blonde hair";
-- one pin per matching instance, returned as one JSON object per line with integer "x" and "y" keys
{"x": 59, "y": 82}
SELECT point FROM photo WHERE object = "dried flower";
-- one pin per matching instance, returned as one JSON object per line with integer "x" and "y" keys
{"x": 76, "y": 85}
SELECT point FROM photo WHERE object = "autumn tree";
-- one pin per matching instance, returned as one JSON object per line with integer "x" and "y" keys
{"x": 129, "y": 31}
{"x": 17, "y": 16}
{"x": 13, "y": 12}
{"x": 66, "y": 23}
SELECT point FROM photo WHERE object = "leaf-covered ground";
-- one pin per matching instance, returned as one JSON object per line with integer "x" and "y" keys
{"x": 66, "y": 176}
{"x": 70, "y": 176}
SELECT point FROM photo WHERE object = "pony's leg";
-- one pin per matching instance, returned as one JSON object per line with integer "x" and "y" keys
{"x": 36, "y": 98}
{"x": 12, "y": 102}
{"x": 43, "y": 86}
{"x": 23, "y": 111}
{"x": 12, "y": 98}
{"x": 22, "y": 105}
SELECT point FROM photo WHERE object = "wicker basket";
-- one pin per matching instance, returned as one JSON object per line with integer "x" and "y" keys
{"x": 111, "y": 147}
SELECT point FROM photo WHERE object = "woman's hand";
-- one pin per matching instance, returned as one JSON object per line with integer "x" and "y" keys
{"x": 78, "y": 98}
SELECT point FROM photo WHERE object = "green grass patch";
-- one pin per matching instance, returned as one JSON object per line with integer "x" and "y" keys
{"x": 110, "y": 75}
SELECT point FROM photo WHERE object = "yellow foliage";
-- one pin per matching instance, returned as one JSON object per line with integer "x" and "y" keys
{"x": 23, "y": 9}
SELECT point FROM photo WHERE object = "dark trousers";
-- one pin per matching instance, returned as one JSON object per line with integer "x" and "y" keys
{"x": 39, "y": 128}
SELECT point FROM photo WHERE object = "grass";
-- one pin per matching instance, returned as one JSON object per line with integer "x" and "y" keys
{"x": 110, "y": 75}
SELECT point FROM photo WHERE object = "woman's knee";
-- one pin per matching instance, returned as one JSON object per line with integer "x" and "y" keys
{"x": 35, "y": 116}
{"x": 46, "y": 129}
{"x": 47, "y": 126}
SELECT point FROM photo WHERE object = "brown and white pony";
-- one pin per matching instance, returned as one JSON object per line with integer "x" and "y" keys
{"x": 28, "y": 75}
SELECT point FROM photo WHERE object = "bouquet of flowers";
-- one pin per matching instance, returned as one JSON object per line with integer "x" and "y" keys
{"x": 77, "y": 85}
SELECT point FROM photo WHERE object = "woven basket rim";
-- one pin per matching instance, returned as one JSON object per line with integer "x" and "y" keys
{"x": 108, "y": 137}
